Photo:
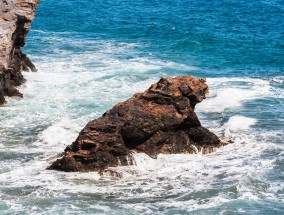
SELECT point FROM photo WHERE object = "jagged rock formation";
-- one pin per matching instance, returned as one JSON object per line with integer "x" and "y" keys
{"x": 160, "y": 120}
{"x": 15, "y": 21}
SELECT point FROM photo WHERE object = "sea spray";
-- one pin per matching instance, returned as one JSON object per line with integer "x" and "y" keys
{"x": 102, "y": 52}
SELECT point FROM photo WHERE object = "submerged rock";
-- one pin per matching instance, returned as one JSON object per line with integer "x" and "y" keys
{"x": 160, "y": 120}
{"x": 15, "y": 20}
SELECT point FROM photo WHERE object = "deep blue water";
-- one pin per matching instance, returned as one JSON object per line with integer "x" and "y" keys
{"x": 232, "y": 38}
{"x": 92, "y": 54}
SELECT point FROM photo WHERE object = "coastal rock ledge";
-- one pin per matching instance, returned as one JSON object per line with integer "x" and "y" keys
{"x": 15, "y": 20}
{"x": 160, "y": 120}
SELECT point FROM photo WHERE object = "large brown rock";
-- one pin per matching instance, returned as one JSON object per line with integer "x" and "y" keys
{"x": 160, "y": 120}
{"x": 15, "y": 20}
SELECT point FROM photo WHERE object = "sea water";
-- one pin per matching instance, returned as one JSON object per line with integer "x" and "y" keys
{"x": 92, "y": 54}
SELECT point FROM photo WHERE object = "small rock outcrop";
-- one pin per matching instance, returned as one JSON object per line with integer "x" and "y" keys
{"x": 160, "y": 120}
{"x": 15, "y": 22}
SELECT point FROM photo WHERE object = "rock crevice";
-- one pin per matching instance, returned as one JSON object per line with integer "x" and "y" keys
{"x": 15, "y": 23}
{"x": 160, "y": 120}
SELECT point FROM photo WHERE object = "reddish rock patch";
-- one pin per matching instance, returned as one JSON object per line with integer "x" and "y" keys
{"x": 160, "y": 120}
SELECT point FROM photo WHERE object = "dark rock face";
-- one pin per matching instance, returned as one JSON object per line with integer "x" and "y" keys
{"x": 160, "y": 120}
{"x": 15, "y": 19}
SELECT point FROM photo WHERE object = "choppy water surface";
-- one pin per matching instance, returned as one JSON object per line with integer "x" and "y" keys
{"x": 92, "y": 54}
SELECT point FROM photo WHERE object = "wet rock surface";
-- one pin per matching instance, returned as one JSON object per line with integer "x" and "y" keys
{"x": 15, "y": 23}
{"x": 160, "y": 120}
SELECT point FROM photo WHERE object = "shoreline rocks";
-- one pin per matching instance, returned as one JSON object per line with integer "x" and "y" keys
{"x": 159, "y": 120}
{"x": 15, "y": 23}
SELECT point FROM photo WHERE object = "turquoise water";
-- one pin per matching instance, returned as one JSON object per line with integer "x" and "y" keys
{"x": 92, "y": 54}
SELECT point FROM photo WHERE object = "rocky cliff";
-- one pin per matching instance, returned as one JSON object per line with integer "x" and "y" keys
{"x": 160, "y": 120}
{"x": 15, "y": 23}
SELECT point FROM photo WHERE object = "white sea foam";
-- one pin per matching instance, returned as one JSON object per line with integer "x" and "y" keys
{"x": 227, "y": 93}
{"x": 183, "y": 178}
{"x": 237, "y": 125}
{"x": 68, "y": 92}
{"x": 60, "y": 134}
